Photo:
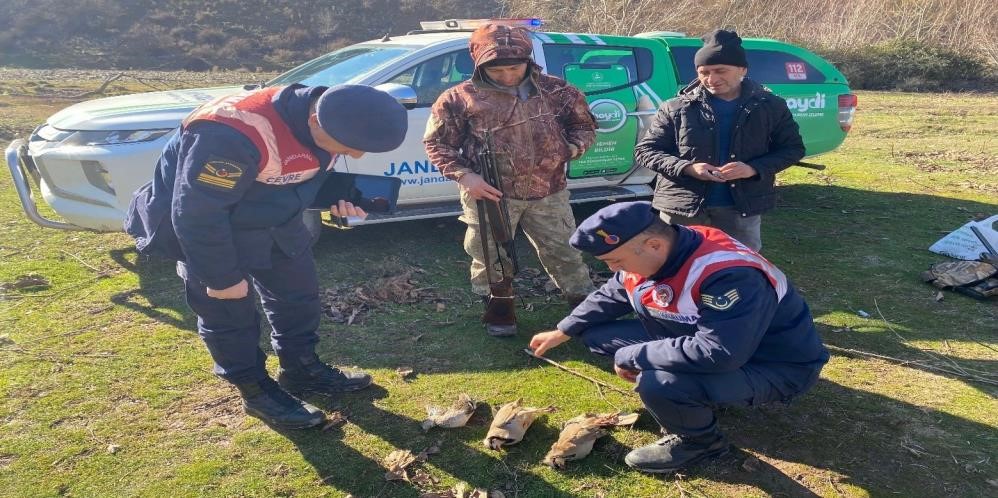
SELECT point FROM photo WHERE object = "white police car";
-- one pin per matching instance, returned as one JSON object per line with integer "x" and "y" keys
{"x": 87, "y": 159}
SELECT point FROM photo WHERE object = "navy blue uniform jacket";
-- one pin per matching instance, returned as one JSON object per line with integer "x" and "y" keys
{"x": 222, "y": 232}
{"x": 756, "y": 329}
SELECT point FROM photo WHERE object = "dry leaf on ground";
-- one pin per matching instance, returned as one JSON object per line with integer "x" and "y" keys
{"x": 333, "y": 420}
{"x": 396, "y": 463}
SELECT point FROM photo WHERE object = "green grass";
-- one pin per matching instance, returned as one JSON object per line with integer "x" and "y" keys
{"x": 105, "y": 354}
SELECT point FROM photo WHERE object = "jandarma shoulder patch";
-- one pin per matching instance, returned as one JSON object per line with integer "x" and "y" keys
{"x": 220, "y": 174}
{"x": 722, "y": 302}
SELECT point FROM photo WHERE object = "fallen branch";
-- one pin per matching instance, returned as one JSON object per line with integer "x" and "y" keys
{"x": 99, "y": 90}
{"x": 578, "y": 374}
{"x": 929, "y": 353}
{"x": 919, "y": 364}
{"x": 100, "y": 273}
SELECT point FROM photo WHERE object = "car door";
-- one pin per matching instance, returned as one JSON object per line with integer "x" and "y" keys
{"x": 421, "y": 181}
{"x": 615, "y": 74}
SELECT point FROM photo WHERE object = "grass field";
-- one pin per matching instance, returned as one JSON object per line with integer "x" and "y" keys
{"x": 107, "y": 391}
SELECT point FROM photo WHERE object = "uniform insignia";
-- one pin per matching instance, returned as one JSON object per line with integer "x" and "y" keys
{"x": 662, "y": 295}
{"x": 608, "y": 238}
{"x": 220, "y": 174}
{"x": 721, "y": 303}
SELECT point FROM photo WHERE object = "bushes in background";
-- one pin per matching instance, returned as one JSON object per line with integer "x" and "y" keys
{"x": 911, "y": 66}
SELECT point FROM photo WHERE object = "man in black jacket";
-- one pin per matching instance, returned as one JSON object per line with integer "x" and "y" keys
{"x": 718, "y": 146}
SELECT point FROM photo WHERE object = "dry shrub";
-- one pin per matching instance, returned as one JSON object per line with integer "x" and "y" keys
{"x": 956, "y": 25}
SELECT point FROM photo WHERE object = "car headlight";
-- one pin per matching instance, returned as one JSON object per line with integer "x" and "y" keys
{"x": 112, "y": 137}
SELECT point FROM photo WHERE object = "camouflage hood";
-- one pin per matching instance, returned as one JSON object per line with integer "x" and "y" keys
{"x": 495, "y": 41}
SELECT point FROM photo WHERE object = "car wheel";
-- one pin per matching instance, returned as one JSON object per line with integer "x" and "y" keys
{"x": 313, "y": 223}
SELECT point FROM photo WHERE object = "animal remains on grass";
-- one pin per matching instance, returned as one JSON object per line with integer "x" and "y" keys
{"x": 580, "y": 434}
{"x": 511, "y": 423}
{"x": 449, "y": 418}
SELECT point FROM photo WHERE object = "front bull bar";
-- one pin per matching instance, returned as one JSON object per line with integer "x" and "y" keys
{"x": 17, "y": 158}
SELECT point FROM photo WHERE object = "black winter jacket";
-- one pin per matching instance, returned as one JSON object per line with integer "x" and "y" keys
{"x": 765, "y": 136}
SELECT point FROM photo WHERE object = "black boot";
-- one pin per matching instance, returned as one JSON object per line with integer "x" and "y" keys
{"x": 498, "y": 329}
{"x": 266, "y": 401}
{"x": 309, "y": 375}
{"x": 673, "y": 452}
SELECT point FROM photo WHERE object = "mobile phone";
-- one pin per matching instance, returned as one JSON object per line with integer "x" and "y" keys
{"x": 345, "y": 222}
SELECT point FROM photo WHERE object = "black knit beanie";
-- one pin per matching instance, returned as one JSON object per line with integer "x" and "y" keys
{"x": 721, "y": 47}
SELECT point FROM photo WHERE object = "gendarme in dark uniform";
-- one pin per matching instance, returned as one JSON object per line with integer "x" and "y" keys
{"x": 227, "y": 203}
{"x": 717, "y": 325}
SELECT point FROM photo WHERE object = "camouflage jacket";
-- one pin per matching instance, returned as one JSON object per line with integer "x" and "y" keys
{"x": 529, "y": 137}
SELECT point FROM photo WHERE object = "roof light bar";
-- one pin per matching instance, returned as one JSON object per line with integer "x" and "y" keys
{"x": 462, "y": 24}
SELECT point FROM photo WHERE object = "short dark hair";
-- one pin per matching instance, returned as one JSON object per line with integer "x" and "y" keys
{"x": 660, "y": 228}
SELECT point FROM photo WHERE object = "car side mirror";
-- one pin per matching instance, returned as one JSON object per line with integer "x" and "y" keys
{"x": 404, "y": 94}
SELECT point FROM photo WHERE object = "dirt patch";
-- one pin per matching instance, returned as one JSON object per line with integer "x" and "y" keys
{"x": 205, "y": 409}
{"x": 534, "y": 282}
{"x": 349, "y": 303}
{"x": 29, "y": 282}
{"x": 943, "y": 160}
{"x": 987, "y": 186}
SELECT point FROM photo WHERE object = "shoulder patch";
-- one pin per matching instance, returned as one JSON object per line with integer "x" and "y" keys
{"x": 221, "y": 174}
{"x": 722, "y": 302}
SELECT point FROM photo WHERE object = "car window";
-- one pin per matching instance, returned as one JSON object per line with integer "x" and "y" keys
{"x": 636, "y": 60}
{"x": 765, "y": 66}
{"x": 341, "y": 65}
{"x": 432, "y": 77}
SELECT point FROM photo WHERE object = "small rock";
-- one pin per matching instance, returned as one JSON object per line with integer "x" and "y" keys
{"x": 113, "y": 448}
{"x": 751, "y": 464}
{"x": 862, "y": 314}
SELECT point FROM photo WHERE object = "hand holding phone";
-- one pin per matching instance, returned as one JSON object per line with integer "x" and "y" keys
{"x": 345, "y": 214}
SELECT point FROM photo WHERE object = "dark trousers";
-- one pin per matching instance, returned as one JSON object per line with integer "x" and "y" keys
{"x": 684, "y": 403}
{"x": 289, "y": 293}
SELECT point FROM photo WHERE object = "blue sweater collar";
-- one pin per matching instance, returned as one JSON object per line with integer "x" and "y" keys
{"x": 292, "y": 104}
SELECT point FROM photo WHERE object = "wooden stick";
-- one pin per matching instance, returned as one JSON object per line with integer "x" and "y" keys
{"x": 578, "y": 374}
{"x": 975, "y": 378}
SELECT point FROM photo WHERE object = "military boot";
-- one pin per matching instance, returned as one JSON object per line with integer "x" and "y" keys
{"x": 309, "y": 375}
{"x": 266, "y": 401}
{"x": 673, "y": 452}
{"x": 498, "y": 329}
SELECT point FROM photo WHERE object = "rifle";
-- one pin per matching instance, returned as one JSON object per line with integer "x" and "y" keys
{"x": 496, "y": 232}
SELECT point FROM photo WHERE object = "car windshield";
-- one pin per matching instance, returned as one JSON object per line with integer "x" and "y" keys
{"x": 342, "y": 65}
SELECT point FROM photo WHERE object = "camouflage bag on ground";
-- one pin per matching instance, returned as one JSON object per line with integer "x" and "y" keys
{"x": 976, "y": 279}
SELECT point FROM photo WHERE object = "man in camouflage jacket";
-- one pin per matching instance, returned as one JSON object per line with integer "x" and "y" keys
{"x": 537, "y": 122}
